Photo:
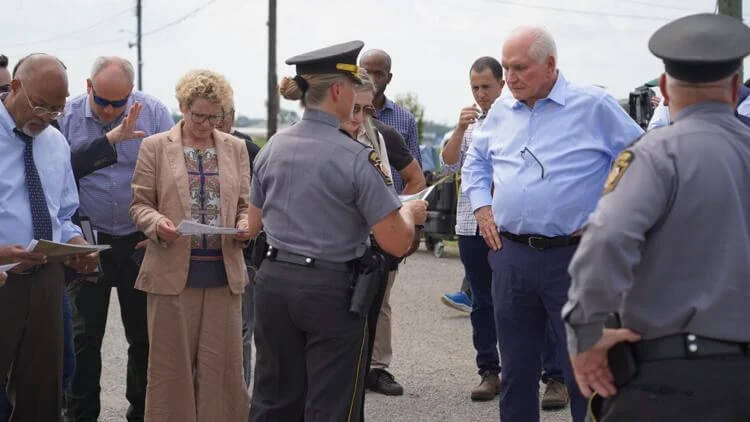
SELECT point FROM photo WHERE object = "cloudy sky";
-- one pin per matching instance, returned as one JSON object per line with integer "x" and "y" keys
{"x": 432, "y": 42}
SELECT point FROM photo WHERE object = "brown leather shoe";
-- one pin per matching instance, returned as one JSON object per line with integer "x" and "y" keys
{"x": 487, "y": 389}
{"x": 555, "y": 396}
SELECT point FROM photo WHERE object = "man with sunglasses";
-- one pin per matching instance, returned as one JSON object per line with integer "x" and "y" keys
{"x": 104, "y": 127}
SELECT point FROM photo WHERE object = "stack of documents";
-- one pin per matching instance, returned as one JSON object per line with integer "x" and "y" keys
{"x": 58, "y": 252}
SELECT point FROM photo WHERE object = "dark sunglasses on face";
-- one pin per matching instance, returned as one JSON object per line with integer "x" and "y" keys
{"x": 368, "y": 109}
{"x": 5, "y": 88}
{"x": 104, "y": 102}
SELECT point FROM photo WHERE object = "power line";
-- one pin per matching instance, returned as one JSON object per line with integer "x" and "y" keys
{"x": 180, "y": 19}
{"x": 74, "y": 32}
{"x": 581, "y": 12}
{"x": 651, "y": 4}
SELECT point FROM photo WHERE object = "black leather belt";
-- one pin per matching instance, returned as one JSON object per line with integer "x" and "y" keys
{"x": 292, "y": 258}
{"x": 542, "y": 242}
{"x": 687, "y": 346}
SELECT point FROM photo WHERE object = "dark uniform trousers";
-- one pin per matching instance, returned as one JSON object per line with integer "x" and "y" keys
{"x": 311, "y": 351}
{"x": 31, "y": 343}
{"x": 686, "y": 390}
{"x": 529, "y": 289}
{"x": 90, "y": 307}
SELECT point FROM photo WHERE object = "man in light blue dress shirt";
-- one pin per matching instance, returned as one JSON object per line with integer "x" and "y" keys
{"x": 109, "y": 121}
{"x": 547, "y": 151}
{"x": 37, "y": 200}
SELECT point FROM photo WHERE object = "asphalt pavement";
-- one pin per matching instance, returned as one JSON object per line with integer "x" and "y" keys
{"x": 433, "y": 356}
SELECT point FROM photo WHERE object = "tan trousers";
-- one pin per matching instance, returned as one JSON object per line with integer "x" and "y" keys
{"x": 195, "y": 359}
{"x": 382, "y": 352}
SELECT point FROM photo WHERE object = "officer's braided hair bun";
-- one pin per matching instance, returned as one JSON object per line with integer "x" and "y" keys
{"x": 289, "y": 89}
{"x": 3, "y": 61}
{"x": 316, "y": 91}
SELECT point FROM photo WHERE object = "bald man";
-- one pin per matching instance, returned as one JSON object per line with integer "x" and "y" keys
{"x": 378, "y": 66}
{"x": 104, "y": 128}
{"x": 39, "y": 197}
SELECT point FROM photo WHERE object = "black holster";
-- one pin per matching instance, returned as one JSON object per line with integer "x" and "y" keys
{"x": 370, "y": 272}
{"x": 258, "y": 251}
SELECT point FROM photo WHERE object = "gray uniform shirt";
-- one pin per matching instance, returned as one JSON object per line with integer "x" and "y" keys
{"x": 318, "y": 190}
{"x": 669, "y": 246}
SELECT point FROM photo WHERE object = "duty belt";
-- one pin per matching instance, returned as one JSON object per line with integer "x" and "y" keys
{"x": 279, "y": 255}
{"x": 687, "y": 346}
{"x": 542, "y": 242}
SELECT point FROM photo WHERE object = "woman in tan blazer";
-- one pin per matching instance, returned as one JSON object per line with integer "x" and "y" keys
{"x": 194, "y": 172}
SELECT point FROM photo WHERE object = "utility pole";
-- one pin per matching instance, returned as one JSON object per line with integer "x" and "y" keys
{"x": 138, "y": 44}
{"x": 273, "y": 91}
{"x": 731, "y": 8}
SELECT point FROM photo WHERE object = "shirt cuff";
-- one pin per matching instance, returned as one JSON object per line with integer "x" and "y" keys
{"x": 69, "y": 231}
{"x": 582, "y": 337}
{"x": 479, "y": 199}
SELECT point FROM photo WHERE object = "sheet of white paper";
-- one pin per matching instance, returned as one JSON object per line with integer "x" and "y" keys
{"x": 8, "y": 266}
{"x": 419, "y": 195}
{"x": 56, "y": 252}
{"x": 190, "y": 227}
{"x": 424, "y": 193}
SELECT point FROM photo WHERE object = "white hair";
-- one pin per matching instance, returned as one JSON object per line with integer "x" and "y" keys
{"x": 542, "y": 46}
{"x": 103, "y": 61}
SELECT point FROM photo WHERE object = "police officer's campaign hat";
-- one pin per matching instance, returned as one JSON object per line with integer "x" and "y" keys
{"x": 336, "y": 58}
{"x": 701, "y": 48}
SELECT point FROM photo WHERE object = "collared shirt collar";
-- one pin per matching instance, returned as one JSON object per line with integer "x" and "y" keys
{"x": 706, "y": 107}
{"x": 557, "y": 94}
{"x": 321, "y": 116}
{"x": 89, "y": 113}
{"x": 6, "y": 120}
{"x": 388, "y": 105}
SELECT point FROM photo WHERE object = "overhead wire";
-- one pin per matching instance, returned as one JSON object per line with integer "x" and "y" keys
{"x": 180, "y": 19}
{"x": 64, "y": 35}
{"x": 581, "y": 11}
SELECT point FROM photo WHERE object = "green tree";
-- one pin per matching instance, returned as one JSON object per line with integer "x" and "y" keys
{"x": 410, "y": 101}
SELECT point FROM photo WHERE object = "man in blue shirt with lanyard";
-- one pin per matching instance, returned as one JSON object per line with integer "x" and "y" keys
{"x": 547, "y": 151}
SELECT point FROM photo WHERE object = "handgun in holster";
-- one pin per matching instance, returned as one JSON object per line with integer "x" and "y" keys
{"x": 370, "y": 271}
{"x": 258, "y": 251}
{"x": 622, "y": 363}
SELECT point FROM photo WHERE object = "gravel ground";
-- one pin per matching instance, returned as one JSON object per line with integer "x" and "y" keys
{"x": 433, "y": 353}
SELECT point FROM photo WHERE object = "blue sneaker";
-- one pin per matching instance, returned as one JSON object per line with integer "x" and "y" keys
{"x": 458, "y": 300}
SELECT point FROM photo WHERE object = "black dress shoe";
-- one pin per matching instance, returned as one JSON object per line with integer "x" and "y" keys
{"x": 381, "y": 381}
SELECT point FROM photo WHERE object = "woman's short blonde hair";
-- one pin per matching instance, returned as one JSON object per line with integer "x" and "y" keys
{"x": 204, "y": 84}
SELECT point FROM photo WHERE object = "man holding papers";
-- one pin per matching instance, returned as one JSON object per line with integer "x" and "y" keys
{"x": 39, "y": 197}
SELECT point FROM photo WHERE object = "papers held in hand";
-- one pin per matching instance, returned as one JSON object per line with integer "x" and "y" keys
{"x": 58, "y": 252}
{"x": 8, "y": 267}
{"x": 424, "y": 193}
{"x": 190, "y": 228}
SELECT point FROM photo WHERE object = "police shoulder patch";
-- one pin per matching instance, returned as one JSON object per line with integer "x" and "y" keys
{"x": 375, "y": 161}
{"x": 618, "y": 170}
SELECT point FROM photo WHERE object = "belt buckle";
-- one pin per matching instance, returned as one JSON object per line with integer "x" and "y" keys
{"x": 530, "y": 242}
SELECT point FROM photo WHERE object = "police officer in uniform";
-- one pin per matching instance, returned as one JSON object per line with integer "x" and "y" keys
{"x": 318, "y": 194}
{"x": 668, "y": 247}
